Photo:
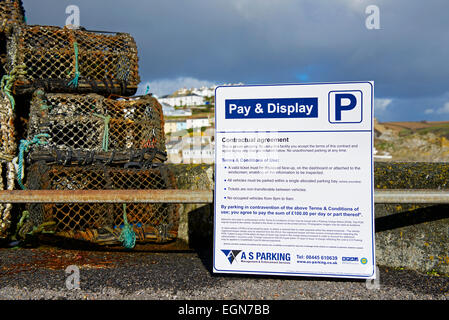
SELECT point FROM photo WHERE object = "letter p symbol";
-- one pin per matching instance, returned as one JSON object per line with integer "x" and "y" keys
{"x": 345, "y": 107}
{"x": 339, "y": 107}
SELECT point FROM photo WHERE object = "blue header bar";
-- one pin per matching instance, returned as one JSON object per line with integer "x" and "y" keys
{"x": 271, "y": 108}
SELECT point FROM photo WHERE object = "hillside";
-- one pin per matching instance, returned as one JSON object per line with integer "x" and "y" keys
{"x": 413, "y": 141}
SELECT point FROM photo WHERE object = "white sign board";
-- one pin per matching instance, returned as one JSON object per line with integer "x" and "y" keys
{"x": 294, "y": 180}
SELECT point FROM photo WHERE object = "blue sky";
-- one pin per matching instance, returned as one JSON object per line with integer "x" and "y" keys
{"x": 205, "y": 42}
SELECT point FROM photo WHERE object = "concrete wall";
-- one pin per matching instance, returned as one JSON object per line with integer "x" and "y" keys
{"x": 410, "y": 236}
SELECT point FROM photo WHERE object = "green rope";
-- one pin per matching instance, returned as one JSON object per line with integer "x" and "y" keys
{"x": 41, "y": 228}
{"x": 74, "y": 81}
{"x": 25, "y": 147}
{"x": 127, "y": 236}
{"x": 45, "y": 107}
{"x": 8, "y": 81}
{"x": 6, "y": 89}
{"x": 40, "y": 95}
{"x": 25, "y": 216}
{"x": 106, "y": 119}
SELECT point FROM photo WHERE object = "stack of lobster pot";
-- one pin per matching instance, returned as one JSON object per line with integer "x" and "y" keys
{"x": 11, "y": 14}
{"x": 86, "y": 131}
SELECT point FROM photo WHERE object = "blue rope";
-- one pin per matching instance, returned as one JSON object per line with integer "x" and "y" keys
{"x": 127, "y": 236}
{"x": 75, "y": 80}
{"x": 25, "y": 147}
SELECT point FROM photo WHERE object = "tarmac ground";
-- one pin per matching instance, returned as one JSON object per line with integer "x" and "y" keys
{"x": 49, "y": 273}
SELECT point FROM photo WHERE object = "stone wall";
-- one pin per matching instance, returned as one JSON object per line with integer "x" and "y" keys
{"x": 410, "y": 236}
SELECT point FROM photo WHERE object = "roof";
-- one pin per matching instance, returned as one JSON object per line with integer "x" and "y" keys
{"x": 182, "y": 95}
{"x": 197, "y": 118}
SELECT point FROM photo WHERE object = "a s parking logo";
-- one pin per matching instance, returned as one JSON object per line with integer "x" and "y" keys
{"x": 231, "y": 254}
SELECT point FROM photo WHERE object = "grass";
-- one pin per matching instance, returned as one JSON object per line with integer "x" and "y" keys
{"x": 441, "y": 130}
{"x": 384, "y": 145}
{"x": 405, "y": 132}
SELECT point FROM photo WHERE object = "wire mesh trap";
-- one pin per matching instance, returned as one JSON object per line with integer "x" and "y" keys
{"x": 8, "y": 142}
{"x": 2, "y": 54}
{"x": 102, "y": 223}
{"x": 8, "y": 151}
{"x": 7, "y": 182}
{"x": 11, "y": 13}
{"x": 72, "y": 60}
{"x": 90, "y": 128}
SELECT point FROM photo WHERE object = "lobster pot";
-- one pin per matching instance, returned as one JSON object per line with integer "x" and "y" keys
{"x": 88, "y": 128}
{"x": 11, "y": 13}
{"x": 8, "y": 145}
{"x": 72, "y": 60}
{"x": 8, "y": 150}
{"x": 102, "y": 223}
{"x": 7, "y": 176}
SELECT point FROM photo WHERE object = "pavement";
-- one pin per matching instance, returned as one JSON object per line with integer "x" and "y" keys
{"x": 41, "y": 273}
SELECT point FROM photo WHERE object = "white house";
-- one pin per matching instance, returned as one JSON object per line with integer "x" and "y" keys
{"x": 197, "y": 122}
{"x": 191, "y": 154}
{"x": 183, "y": 100}
{"x": 198, "y": 154}
{"x": 204, "y": 91}
{"x": 169, "y": 126}
{"x": 197, "y": 138}
{"x": 170, "y": 111}
{"x": 208, "y": 153}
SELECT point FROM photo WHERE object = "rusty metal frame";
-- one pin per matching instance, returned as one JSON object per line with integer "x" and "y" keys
{"x": 188, "y": 196}
{"x": 418, "y": 196}
{"x": 106, "y": 196}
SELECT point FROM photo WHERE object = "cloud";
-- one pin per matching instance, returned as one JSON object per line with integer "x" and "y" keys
{"x": 162, "y": 87}
{"x": 381, "y": 104}
{"x": 265, "y": 42}
{"x": 444, "y": 109}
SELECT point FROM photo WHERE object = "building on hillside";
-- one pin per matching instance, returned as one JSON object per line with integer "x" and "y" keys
{"x": 179, "y": 135}
{"x": 197, "y": 138}
{"x": 190, "y": 99}
{"x": 181, "y": 125}
{"x": 170, "y": 111}
{"x": 198, "y": 154}
{"x": 191, "y": 154}
{"x": 204, "y": 91}
{"x": 208, "y": 153}
{"x": 197, "y": 122}
{"x": 170, "y": 126}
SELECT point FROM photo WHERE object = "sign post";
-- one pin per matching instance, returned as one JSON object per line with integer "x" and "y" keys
{"x": 294, "y": 180}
